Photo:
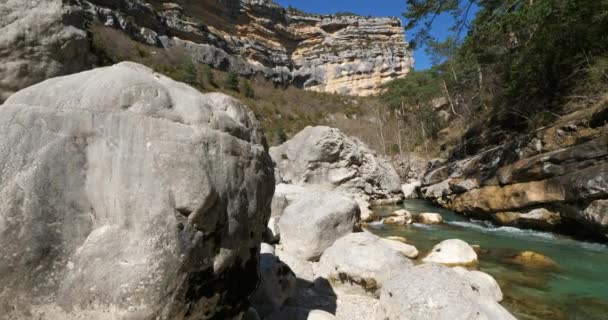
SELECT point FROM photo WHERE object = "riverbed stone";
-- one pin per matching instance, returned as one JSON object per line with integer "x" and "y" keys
{"x": 429, "y": 218}
{"x": 398, "y": 220}
{"x": 484, "y": 282}
{"x": 535, "y": 260}
{"x": 435, "y": 292}
{"x": 403, "y": 248}
{"x": 360, "y": 263}
{"x": 452, "y": 252}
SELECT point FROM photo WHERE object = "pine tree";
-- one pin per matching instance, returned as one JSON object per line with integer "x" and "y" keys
{"x": 232, "y": 82}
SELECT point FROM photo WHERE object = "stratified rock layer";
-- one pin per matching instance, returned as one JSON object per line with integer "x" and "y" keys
{"x": 346, "y": 54}
{"x": 554, "y": 179}
{"x": 126, "y": 195}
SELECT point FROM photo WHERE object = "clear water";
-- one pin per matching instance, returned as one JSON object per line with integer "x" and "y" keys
{"x": 578, "y": 289}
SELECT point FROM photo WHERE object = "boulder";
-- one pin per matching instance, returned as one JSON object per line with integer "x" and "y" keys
{"x": 429, "y": 218}
{"x": 453, "y": 252}
{"x": 538, "y": 218}
{"x": 326, "y": 156}
{"x": 534, "y": 260}
{"x": 360, "y": 263}
{"x": 483, "y": 281}
{"x": 435, "y": 292}
{"x": 277, "y": 284}
{"x": 398, "y": 221}
{"x": 127, "y": 195}
{"x": 315, "y": 220}
{"x": 403, "y": 248}
{"x": 410, "y": 190}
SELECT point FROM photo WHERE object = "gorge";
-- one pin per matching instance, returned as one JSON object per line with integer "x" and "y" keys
{"x": 236, "y": 159}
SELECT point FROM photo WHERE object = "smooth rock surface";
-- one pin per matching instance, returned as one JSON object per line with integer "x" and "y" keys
{"x": 126, "y": 195}
{"x": 403, "y": 248}
{"x": 435, "y": 292}
{"x": 452, "y": 252}
{"x": 360, "y": 263}
{"x": 315, "y": 220}
{"x": 429, "y": 218}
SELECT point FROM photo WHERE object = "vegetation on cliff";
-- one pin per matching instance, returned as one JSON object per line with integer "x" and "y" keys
{"x": 514, "y": 66}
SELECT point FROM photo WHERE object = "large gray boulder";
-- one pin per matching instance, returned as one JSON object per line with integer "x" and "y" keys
{"x": 326, "y": 156}
{"x": 314, "y": 220}
{"x": 37, "y": 42}
{"x": 361, "y": 263}
{"x": 127, "y": 195}
{"x": 435, "y": 292}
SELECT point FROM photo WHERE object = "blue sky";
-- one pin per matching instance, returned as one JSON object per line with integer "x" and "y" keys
{"x": 374, "y": 8}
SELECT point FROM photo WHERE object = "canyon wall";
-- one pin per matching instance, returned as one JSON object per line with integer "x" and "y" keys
{"x": 344, "y": 54}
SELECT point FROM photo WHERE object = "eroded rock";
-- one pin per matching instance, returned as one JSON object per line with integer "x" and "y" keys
{"x": 118, "y": 177}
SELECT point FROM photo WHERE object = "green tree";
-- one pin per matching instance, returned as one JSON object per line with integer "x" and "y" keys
{"x": 232, "y": 82}
{"x": 208, "y": 75}
{"x": 248, "y": 90}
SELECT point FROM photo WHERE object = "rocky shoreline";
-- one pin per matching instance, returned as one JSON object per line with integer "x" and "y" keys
{"x": 137, "y": 197}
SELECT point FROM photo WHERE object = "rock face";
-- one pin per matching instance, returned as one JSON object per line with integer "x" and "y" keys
{"x": 38, "y": 40}
{"x": 341, "y": 54}
{"x": 435, "y": 292}
{"x": 553, "y": 179}
{"x": 126, "y": 195}
{"x": 325, "y": 156}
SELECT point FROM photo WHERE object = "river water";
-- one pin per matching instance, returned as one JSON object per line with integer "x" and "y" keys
{"x": 578, "y": 289}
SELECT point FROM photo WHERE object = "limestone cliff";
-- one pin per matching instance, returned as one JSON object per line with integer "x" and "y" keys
{"x": 350, "y": 55}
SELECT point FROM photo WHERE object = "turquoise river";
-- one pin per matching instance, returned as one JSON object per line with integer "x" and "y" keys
{"x": 577, "y": 289}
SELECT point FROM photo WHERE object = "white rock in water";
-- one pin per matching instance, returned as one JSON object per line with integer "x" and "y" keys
{"x": 149, "y": 189}
{"x": 429, "y": 218}
{"x": 453, "y": 252}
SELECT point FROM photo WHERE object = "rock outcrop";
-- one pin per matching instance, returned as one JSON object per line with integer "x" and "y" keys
{"x": 343, "y": 54}
{"x": 126, "y": 195}
{"x": 553, "y": 179}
